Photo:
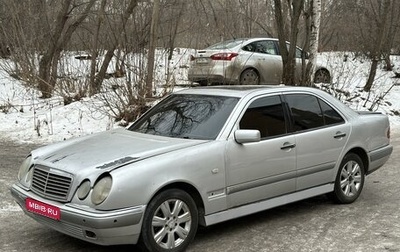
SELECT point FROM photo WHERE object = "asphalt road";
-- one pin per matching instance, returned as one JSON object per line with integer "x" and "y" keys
{"x": 372, "y": 223}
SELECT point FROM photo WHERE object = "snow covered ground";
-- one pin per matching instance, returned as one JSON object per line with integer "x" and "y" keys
{"x": 27, "y": 119}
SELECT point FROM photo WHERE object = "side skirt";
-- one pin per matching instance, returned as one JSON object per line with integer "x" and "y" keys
{"x": 266, "y": 204}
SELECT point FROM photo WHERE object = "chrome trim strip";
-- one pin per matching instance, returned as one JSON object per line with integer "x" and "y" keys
{"x": 266, "y": 204}
{"x": 315, "y": 169}
{"x": 260, "y": 182}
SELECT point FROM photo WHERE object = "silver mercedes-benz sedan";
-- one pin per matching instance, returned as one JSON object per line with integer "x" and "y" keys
{"x": 247, "y": 62}
{"x": 199, "y": 157}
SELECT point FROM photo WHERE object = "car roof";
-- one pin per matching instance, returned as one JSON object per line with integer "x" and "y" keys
{"x": 251, "y": 39}
{"x": 243, "y": 90}
{"x": 235, "y": 42}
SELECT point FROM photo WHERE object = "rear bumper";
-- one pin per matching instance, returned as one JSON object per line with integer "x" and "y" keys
{"x": 120, "y": 226}
{"x": 218, "y": 73}
{"x": 379, "y": 157}
{"x": 210, "y": 78}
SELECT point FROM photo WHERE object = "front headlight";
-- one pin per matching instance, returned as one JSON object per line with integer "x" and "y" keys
{"x": 25, "y": 172}
{"x": 101, "y": 189}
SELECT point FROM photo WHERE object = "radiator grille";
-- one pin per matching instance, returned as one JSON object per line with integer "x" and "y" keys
{"x": 51, "y": 184}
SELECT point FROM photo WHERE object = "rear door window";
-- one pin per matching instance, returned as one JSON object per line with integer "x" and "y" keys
{"x": 331, "y": 116}
{"x": 309, "y": 112}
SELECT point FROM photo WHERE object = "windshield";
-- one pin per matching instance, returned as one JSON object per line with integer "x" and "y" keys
{"x": 226, "y": 44}
{"x": 187, "y": 116}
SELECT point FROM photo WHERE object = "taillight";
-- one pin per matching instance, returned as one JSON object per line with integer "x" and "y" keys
{"x": 223, "y": 56}
{"x": 388, "y": 133}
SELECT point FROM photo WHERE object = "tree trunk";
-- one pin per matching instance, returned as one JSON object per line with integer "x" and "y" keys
{"x": 47, "y": 58}
{"x": 93, "y": 63}
{"x": 297, "y": 7}
{"x": 372, "y": 73}
{"x": 152, "y": 49}
{"x": 103, "y": 70}
{"x": 280, "y": 24}
{"x": 288, "y": 56}
{"x": 314, "y": 41}
{"x": 44, "y": 76}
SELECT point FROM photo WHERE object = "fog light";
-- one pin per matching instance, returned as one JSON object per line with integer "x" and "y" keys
{"x": 90, "y": 234}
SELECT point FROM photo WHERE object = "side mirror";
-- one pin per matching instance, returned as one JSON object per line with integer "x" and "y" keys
{"x": 306, "y": 55}
{"x": 247, "y": 136}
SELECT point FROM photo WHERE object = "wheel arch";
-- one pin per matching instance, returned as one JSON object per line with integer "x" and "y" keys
{"x": 192, "y": 191}
{"x": 324, "y": 69}
{"x": 321, "y": 68}
{"x": 249, "y": 68}
{"x": 363, "y": 155}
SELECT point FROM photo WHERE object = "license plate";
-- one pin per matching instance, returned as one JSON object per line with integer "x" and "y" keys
{"x": 201, "y": 60}
{"x": 41, "y": 208}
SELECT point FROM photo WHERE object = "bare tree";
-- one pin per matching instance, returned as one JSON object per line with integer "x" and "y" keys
{"x": 295, "y": 8}
{"x": 96, "y": 86}
{"x": 392, "y": 33}
{"x": 382, "y": 11}
{"x": 171, "y": 20}
{"x": 64, "y": 26}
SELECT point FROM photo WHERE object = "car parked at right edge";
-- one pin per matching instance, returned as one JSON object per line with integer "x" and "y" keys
{"x": 246, "y": 62}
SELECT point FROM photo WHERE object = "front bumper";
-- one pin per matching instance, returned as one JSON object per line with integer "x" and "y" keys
{"x": 120, "y": 226}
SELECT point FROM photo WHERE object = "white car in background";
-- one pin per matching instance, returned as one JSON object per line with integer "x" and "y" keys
{"x": 246, "y": 62}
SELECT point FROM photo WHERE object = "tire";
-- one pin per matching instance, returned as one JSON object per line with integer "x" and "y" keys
{"x": 249, "y": 77}
{"x": 164, "y": 228}
{"x": 349, "y": 180}
{"x": 322, "y": 76}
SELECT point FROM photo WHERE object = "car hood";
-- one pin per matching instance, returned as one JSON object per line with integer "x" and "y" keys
{"x": 107, "y": 150}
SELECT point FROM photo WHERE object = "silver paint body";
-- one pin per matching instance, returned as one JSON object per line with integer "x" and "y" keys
{"x": 232, "y": 179}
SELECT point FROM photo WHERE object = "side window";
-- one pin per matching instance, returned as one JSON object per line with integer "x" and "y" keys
{"x": 266, "y": 115}
{"x": 260, "y": 47}
{"x": 264, "y": 46}
{"x": 309, "y": 112}
{"x": 331, "y": 116}
{"x": 250, "y": 47}
{"x": 306, "y": 111}
{"x": 270, "y": 47}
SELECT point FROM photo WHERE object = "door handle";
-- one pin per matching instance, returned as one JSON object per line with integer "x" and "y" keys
{"x": 288, "y": 145}
{"x": 339, "y": 135}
